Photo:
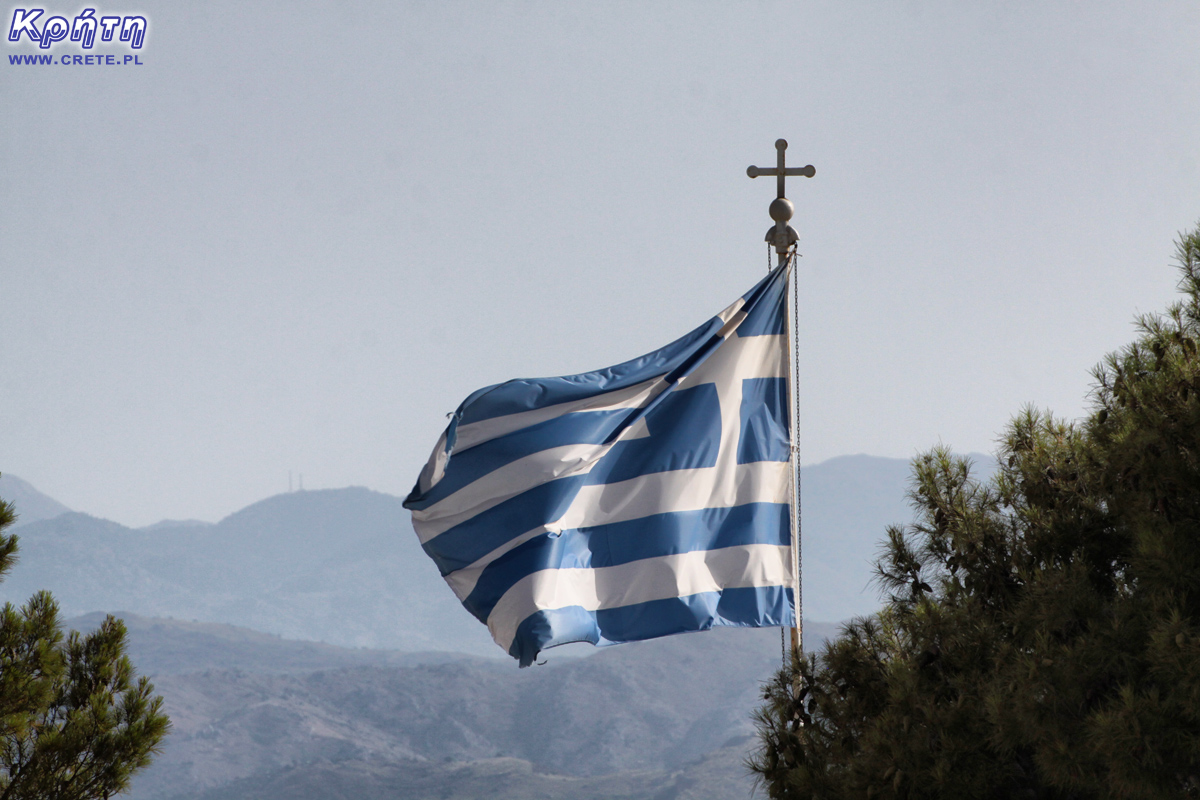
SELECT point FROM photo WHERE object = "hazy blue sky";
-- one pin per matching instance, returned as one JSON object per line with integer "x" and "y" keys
{"x": 300, "y": 233}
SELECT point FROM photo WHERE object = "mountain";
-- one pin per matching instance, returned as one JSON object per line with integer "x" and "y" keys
{"x": 718, "y": 776}
{"x": 848, "y": 503}
{"x": 160, "y": 646}
{"x": 260, "y": 717}
{"x": 31, "y": 505}
{"x": 343, "y": 566}
{"x": 340, "y": 566}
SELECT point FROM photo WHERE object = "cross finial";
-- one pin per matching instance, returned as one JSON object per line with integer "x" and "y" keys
{"x": 782, "y": 235}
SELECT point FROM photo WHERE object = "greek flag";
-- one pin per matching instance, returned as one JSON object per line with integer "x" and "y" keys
{"x": 637, "y": 501}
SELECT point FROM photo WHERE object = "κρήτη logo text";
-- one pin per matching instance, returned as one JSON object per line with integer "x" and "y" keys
{"x": 82, "y": 29}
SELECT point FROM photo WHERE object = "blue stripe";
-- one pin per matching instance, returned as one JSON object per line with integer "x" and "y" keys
{"x": 764, "y": 419}
{"x": 581, "y": 427}
{"x": 526, "y": 394}
{"x": 752, "y": 607}
{"x": 685, "y": 433}
{"x": 764, "y": 303}
{"x": 764, "y": 315}
{"x": 684, "y": 427}
{"x": 766, "y": 307}
{"x": 474, "y": 538}
{"x": 632, "y": 540}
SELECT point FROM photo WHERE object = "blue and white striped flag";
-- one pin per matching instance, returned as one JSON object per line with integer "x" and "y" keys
{"x": 637, "y": 501}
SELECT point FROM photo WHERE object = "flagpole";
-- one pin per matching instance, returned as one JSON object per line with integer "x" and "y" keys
{"x": 794, "y": 374}
{"x": 784, "y": 237}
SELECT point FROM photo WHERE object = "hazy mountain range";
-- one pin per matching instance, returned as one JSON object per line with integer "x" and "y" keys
{"x": 417, "y": 702}
{"x": 31, "y": 504}
{"x": 341, "y": 566}
{"x": 261, "y": 718}
{"x": 344, "y": 567}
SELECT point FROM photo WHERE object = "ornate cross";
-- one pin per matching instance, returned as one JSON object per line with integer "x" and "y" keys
{"x": 782, "y": 235}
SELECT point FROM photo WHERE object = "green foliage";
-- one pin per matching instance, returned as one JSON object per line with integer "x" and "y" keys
{"x": 1041, "y": 635}
{"x": 74, "y": 721}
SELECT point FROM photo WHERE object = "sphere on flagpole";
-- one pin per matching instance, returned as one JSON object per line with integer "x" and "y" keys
{"x": 781, "y": 209}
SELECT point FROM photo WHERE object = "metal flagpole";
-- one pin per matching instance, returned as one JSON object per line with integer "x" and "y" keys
{"x": 783, "y": 237}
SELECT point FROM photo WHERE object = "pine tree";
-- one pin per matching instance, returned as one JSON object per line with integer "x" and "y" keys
{"x": 1041, "y": 631}
{"x": 75, "y": 724}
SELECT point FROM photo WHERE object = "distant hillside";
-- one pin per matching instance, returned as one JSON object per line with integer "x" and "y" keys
{"x": 719, "y": 775}
{"x": 340, "y": 566}
{"x": 31, "y": 504}
{"x": 267, "y": 718}
{"x": 270, "y": 719}
{"x": 180, "y": 647}
{"x": 848, "y": 503}
{"x": 344, "y": 567}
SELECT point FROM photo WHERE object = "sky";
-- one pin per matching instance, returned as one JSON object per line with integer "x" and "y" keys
{"x": 296, "y": 235}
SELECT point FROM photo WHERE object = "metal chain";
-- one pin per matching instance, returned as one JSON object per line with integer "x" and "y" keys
{"x": 783, "y": 650}
{"x": 783, "y": 646}
{"x": 796, "y": 444}
{"x": 790, "y": 261}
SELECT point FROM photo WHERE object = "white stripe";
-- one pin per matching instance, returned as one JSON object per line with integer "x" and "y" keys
{"x": 730, "y": 310}
{"x": 435, "y": 468}
{"x": 635, "y": 396}
{"x": 678, "y": 490}
{"x": 643, "y": 496}
{"x": 721, "y": 486}
{"x": 505, "y": 483}
{"x": 737, "y": 358}
{"x": 678, "y": 575}
{"x": 463, "y": 581}
{"x": 495, "y": 487}
{"x": 475, "y": 433}
{"x": 514, "y": 478}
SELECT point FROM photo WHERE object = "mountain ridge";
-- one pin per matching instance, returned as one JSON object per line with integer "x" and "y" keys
{"x": 344, "y": 567}
{"x": 259, "y": 717}
{"x": 30, "y": 504}
{"x": 268, "y": 711}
